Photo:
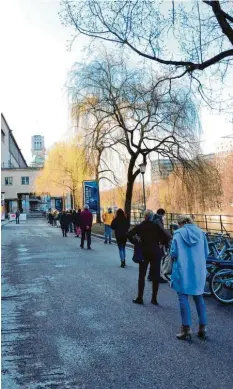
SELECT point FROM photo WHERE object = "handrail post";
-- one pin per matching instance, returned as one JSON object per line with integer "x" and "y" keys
{"x": 206, "y": 223}
{"x": 221, "y": 223}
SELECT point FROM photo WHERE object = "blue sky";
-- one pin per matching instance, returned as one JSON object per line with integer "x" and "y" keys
{"x": 34, "y": 68}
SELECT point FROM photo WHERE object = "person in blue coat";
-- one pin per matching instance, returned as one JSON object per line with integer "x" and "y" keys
{"x": 189, "y": 252}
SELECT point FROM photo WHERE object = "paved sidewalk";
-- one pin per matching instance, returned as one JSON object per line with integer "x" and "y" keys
{"x": 68, "y": 321}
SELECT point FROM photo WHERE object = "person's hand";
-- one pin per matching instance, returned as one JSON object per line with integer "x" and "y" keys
{"x": 87, "y": 227}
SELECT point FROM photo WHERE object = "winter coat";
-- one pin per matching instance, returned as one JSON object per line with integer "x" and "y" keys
{"x": 189, "y": 250}
{"x": 69, "y": 217}
{"x": 64, "y": 221}
{"x": 158, "y": 219}
{"x": 121, "y": 228}
{"x": 77, "y": 219}
{"x": 74, "y": 213}
{"x": 108, "y": 218}
{"x": 86, "y": 219}
{"x": 152, "y": 236}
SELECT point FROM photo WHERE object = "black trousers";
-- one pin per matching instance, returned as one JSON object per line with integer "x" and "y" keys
{"x": 141, "y": 279}
{"x": 88, "y": 237}
{"x": 64, "y": 231}
{"x": 17, "y": 220}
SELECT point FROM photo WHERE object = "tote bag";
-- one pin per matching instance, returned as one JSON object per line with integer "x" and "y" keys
{"x": 166, "y": 267}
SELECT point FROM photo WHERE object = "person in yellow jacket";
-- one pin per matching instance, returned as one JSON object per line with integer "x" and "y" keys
{"x": 107, "y": 219}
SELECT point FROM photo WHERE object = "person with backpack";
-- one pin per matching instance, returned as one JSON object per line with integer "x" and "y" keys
{"x": 121, "y": 225}
{"x": 151, "y": 236}
{"x": 107, "y": 219}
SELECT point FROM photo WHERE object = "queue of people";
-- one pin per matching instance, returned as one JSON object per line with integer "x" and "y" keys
{"x": 78, "y": 222}
{"x": 189, "y": 251}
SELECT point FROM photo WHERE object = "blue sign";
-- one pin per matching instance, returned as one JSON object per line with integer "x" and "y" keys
{"x": 91, "y": 195}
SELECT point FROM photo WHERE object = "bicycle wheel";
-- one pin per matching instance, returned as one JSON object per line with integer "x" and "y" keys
{"x": 207, "y": 289}
{"x": 211, "y": 270}
{"x": 222, "y": 286}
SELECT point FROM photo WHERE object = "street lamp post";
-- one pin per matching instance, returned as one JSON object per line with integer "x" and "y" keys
{"x": 142, "y": 168}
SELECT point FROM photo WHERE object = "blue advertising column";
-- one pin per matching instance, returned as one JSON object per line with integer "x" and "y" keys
{"x": 91, "y": 196}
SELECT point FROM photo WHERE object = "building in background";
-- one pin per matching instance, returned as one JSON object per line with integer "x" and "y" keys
{"x": 160, "y": 170}
{"x": 11, "y": 156}
{"x": 38, "y": 151}
{"x": 225, "y": 144}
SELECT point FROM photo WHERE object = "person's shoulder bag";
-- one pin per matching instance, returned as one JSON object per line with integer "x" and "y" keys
{"x": 166, "y": 267}
{"x": 138, "y": 255}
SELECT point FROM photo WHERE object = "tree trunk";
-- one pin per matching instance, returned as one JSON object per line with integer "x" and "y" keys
{"x": 98, "y": 216}
{"x": 129, "y": 188}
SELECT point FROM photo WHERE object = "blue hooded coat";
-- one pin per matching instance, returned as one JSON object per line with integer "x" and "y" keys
{"x": 189, "y": 250}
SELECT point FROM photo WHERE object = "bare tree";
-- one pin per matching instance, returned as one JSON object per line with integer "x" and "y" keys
{"x": 146, "y": 114}
{"x": 98, "y": 130}
{"x": 187, "y": 37}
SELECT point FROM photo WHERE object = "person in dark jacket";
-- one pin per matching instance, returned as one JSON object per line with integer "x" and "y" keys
{"x": 86, "y": 224}
{"x": 64, "y": 222}
{"x": 70, "y": 219}
{"x": 17, "y": 214}
{"x": 73, "y": 220}
{"x": 121, "y": 226}
{"x": 152, "y": 236}
{"x": 78, "y": 223}
{"x": 158, "y": 219}
{"x": 50, "y": 217}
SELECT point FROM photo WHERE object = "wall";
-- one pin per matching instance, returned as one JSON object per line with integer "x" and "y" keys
{"x": 5, "y": 155}
{"x": 11, "y": 154}
{"x": 11, "y": 191}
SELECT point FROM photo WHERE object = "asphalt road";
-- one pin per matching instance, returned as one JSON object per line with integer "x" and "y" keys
{"x": 68, "y": 321}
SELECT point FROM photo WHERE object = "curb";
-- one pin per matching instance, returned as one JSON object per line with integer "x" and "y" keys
{"x": 3, "y": 225}
{"x": 129, "y": 245}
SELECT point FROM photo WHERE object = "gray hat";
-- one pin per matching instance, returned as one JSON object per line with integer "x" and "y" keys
{"x": 86, "y": 206}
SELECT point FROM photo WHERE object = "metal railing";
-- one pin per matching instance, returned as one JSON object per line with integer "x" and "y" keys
{"x": 211, "y": 223}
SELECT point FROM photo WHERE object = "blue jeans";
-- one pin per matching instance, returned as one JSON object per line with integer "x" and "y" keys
{"x": 107, "y": 232}
{"x": 121, "y": 248}
{"x": 71, "y": 227}
{"x": 185, "y": 309}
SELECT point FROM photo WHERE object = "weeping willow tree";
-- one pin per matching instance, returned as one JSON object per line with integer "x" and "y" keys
{"x": 195, "y": 189}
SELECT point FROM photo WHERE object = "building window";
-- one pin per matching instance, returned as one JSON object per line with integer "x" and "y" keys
{"x": 3, "y": 136}
{"x": 25, "y": 180}
{"x": 8, "y": 180}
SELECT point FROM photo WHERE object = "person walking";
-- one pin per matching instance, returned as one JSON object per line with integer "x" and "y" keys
{"x": 86, "y": 219}
{"x": 73, "y": 220}
{"x": 158, "y": 219}
{"x": 58, "y": 218}
{"x": 55, "y": 213}
{"x": 70, "y": 220}
{"x": 64, "y": 222}
{"x": 189, "y": 251}
{"x": 151, "y": 235}
{"x": 78, "y": 223}
{"x": 121, "y": 226}
{"x": 50, "y": 217}
{"x": 107, "y": 219}
{"x": 17, "y": 216}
